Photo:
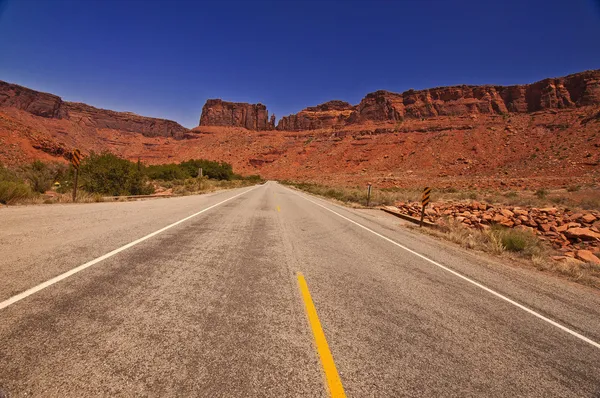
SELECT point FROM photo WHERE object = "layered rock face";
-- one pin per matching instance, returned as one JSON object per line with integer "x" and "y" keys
{"x": 328, "y": 114}
{"x": 124, "y": 121}
{"x": 34, "y": 102}
{"x": 580, "y": 89}
{"x": 53, "y": 107}
{"x": 217, "y": 112}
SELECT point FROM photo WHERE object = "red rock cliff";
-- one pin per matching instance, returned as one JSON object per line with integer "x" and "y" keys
{"x": 565, "y": 92}
{"x": 34, "y": 102}
{"x": 575, "y": 90}
{"x": 52, "y": 106}
{"x": 216, "y": 112}
{"x": 328, "y": 114}
{"x": 124, "y": 121}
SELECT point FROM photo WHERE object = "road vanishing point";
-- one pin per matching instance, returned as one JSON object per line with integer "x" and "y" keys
{"x": 266, "y": 291}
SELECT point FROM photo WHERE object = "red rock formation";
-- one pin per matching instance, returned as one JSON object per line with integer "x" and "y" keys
{"x": 34, "y": 102}
{"x": 570, "y": 91}
{"x": 52, "y": 106}
{"x": 565, "y": 92}
{"x": 124, "y": 121}
{"x": 329, "y": 114}
{"x": 217, "y": 112}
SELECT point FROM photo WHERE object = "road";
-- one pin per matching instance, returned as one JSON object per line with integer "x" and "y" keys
{"x": 202, "y": 296}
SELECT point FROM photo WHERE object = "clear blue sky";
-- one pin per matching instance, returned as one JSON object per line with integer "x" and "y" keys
{"x": 165, "y": 58}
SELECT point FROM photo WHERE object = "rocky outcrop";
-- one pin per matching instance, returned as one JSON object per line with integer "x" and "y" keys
{"x": 328, "y": 114}
{"x": 580, "y": 89}
{"x": 125, "y": 121}
{"x": 52, "y": 106}
{"x": 217, "y": 112}
{"x": 34, "y": 102}
{"x": 565, "y": 92}
{"x": 565, "y": 229}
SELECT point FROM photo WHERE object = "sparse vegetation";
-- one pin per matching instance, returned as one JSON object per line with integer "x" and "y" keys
{"x": 12, "y": 189}
{"x": 518, "y": 245}
{"x": 541, "y": 193}
{"x": 41, "y": 176}
{"x": 588, "y": 198}
{"x": 517, "y": 241}
{"x": 190, "y": 169}
{"x": 13, "y": 192}
{"x": 108, "y": 174}
{"x": 105, "y": 174}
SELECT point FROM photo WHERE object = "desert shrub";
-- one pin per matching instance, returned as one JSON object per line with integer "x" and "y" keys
{"x": 40, "y": 175}
{"x": 13, "y": 191}
{"x": 189, "y": 169}
{"x": 210, "y": 169}
{"x": 166, "y": 172}
{"x": 541, "y": 193}
{"x": 519, "y": 241}
{"x": 108, "y": 174}
{"x": 573, "y": 188}
{"x": 8, "y": 174}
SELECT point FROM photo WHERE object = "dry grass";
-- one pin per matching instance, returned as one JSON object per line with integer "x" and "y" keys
{"x": 82, "y": 197}
{"x": 520, "y": 246}
{"x": 587, "y": 198}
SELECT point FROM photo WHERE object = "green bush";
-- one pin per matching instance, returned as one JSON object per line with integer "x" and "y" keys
{"x": 210, "y": 169}
{"x": 519, "y": 241}
{"x": 167, "y": 172}
{"x": 41, "y": 176}
{"x": 13, "y": 191}
{"x": 189, "y": 169}
{"x": 108, "y": 174}
{"x": 8, "y": 175}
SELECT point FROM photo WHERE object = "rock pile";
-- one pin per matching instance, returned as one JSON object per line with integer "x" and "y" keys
{"x": 574, "y": 233}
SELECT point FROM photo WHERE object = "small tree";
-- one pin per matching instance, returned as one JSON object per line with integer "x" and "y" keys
{"x": 106, "y": 173}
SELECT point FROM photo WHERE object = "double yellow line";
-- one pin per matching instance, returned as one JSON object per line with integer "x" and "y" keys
{"x": 331, "y": 374}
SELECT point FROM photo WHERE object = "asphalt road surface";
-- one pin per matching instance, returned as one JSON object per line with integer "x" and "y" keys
{"x": 201, "y": 296}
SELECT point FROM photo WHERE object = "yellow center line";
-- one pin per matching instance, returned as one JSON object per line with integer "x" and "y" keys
{"x": 331, "y": 374}
{"x": 278, "y": 209}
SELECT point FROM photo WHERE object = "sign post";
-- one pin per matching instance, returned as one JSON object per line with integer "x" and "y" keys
{"x": 75, "y": 161}
{"x": 424, "y": 203}
{"x": 368, "y": 194}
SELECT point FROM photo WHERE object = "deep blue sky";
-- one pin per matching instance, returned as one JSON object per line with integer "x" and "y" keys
{"x": 165, "y": 58}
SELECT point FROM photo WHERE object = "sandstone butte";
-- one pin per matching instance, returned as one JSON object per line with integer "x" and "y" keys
{"x": 542, "y": 134}
{"x": 217, "y": 112}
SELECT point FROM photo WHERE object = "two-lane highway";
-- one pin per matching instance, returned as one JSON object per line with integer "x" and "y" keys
{"x": 204, "y": 296}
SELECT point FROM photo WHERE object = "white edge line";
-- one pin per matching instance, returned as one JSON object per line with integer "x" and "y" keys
{"x": 479, "y": 285}
{"x": 81, "y": 267}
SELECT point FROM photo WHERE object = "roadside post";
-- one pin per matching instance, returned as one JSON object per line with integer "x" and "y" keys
{"x": 368, "y": 194}
{"x": 200, "y": 172}
{"x": 424, "y": 203}
{"x": 75, "y": 161}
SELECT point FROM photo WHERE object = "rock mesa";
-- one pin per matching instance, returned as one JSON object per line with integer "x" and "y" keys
{"x": 217, "y": 112}
{"x": 571, "y": 91}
